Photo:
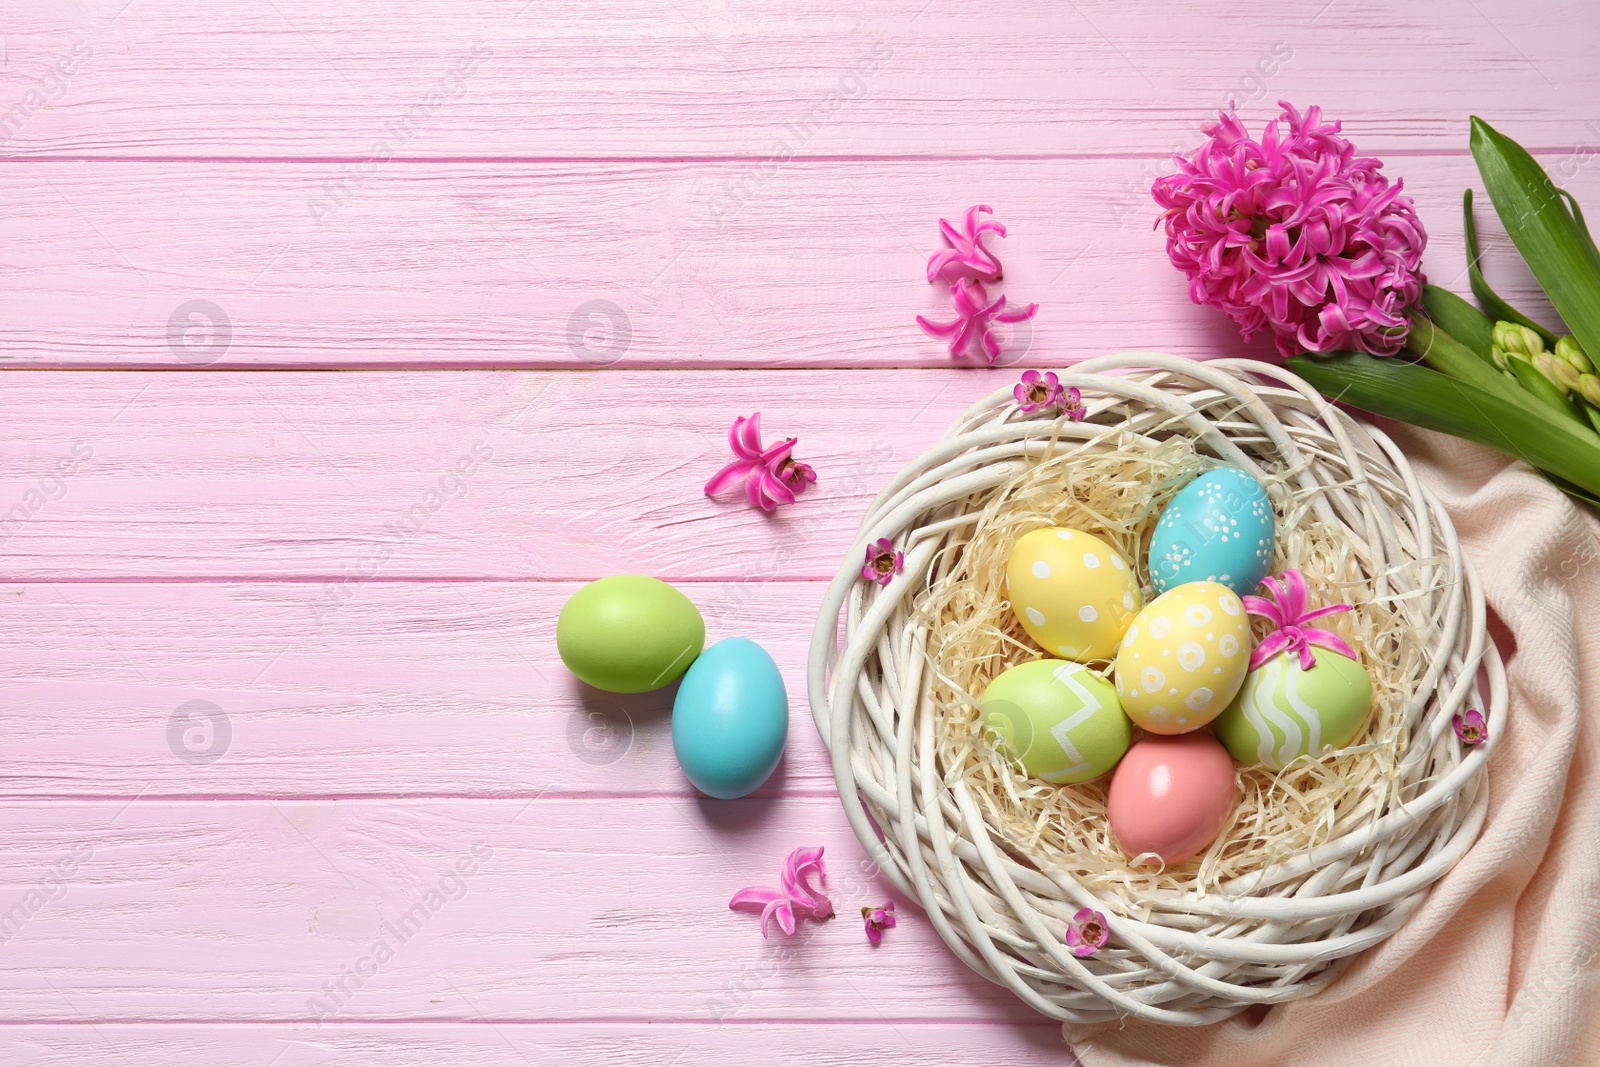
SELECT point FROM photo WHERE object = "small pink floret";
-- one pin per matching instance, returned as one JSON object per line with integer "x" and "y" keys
{"x": 884, "y": 561}
{"x": 877, "y": 920}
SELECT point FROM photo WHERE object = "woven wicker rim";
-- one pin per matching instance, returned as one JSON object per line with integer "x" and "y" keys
{"x": 1193, "y": 959}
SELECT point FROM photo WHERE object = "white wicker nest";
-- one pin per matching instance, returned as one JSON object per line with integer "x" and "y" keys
{"x": 1182, "y": 958}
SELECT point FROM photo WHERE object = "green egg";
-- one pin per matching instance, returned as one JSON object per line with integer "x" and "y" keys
{"x": 1283, "y": 712}
{"x": 1061, "y": 720}
{"x": 629, "y": 634}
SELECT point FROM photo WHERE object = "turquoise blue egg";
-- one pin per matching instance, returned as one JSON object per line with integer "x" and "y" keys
{"x": 1218, "y": 528}
{"x": 730, "y": 719}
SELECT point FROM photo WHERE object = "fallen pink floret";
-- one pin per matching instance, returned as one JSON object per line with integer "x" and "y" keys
{"x": 773, "y": 905}
{"x": 877, "y": 920}
{"x": 796, "y": 869}
{"x": 884, "y": 561}
{"x": 772, "y": 476}
{"x": 1287, "y": 612}
{"x": 966, "y": 254}
{"x": 975, "y": 317}
{"x": 1088, "y": 932}
{"x": 1471, "y": 728}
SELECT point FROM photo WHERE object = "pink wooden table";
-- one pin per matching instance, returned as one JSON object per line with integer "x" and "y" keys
{"x": 271, "y": 268}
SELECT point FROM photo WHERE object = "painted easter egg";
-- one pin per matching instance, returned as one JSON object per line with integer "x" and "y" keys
{"x": 1060, "y": 720}
{"x": 1072, "y": 592}
{"x": 629, "y": 634}
{"x": 1184, "y": 658}
{"x": 730, "y": 719}
{"x": 1218, "y": 528}
{"x": 1283, "y": 712}
{"x": 1171, "y": 796}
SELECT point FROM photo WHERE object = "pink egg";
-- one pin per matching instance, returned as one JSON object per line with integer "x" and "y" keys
{"x": 1171, "y": 796}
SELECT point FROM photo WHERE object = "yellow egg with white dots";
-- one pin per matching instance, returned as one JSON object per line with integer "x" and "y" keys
{"x": 1072, "y": 592}
{"x": 1184, "y": 658}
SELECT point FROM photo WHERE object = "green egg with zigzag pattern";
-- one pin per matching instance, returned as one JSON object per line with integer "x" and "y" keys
{"x": 1283, "y": 712}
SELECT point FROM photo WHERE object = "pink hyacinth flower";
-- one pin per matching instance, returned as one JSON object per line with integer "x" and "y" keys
{"x": 1037, "y": 392}
{"x": 772, "y": 476}
{"x": 796, "y": 871}
{"x": 1295, "y": 233}
{"x": 797, "y": 892}
{"x": 1087, "y": 933}
{"x": 975, "y": 317}
{"x": 1471, "y": 728}
{"x": 773, "y": 905}
{"x": 966, "y": 255}
{"x": 884, "y": 561}
{"x": 1287, "y": 611}
{"x": 877, "y": 920}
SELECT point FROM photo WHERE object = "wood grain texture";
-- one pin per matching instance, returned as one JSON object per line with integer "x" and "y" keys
{"x": 351, "y": 479}
{"x": 511, "y": 1043}
{"x": 405, "y": 689}
{"x": 557, "y": 909}
{"x": 277, "y": 647}
{"x": 298, "y": 78}
{"x": 501, "y": 265}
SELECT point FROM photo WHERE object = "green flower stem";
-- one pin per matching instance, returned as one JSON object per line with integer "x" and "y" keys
{"x": 1427, "y": 398}
{"x": 1460, "y": 320}
{"x": 1544, "y": 390}
{"x": 1441, "y": 351}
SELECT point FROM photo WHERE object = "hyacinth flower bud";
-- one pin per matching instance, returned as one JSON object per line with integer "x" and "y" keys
{"x": 1517, "y": 340}
{"x": 1569, "y": 351}
{"x": 1589, "y": 386}
{"x": 1562, "y": 374}
{"x": 1510, "y": 341}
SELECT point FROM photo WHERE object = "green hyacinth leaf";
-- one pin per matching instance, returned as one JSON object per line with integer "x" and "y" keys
{"x": 1572, "y": 490}
{"x": 1425, "y": 397}
{"x": 1459, "y": 319}
{"x": 1495, "y": 307}
{"x": 1583, "y": 227}
{"x": 1557, "y": 247}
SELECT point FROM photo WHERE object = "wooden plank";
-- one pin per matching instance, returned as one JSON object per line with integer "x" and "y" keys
{"x": 351, "y": 479}
{"x": 297, "y": 78}
{"x": 404, "y": 689}
{"x": 581, "y": 266}
{"x": 609, "y": 910}
{"x": 506, "y": 1043}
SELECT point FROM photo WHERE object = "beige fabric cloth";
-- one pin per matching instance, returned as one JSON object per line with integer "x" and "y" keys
{"x": 1501, "y": 966}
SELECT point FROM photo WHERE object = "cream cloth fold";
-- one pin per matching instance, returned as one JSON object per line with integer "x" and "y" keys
{"x": 1501, "y": 966}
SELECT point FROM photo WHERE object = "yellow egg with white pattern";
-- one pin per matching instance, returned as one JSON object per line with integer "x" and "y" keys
{"x": 1184, "y": 658}
{"x": 1072, "y": 592}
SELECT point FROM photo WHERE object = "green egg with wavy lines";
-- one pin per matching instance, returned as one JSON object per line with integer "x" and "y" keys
{"x": 1283, "y": 712}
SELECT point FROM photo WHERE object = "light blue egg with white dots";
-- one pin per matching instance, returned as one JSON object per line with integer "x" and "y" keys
{"x": 1218, "y": 528}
